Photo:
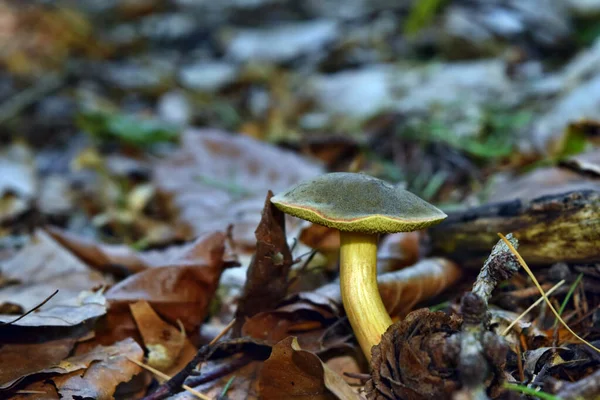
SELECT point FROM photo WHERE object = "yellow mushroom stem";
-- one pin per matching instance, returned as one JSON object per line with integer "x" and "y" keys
{"x": 360, "y": 294}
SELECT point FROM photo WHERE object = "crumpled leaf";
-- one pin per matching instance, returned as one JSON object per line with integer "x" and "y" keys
{"x": 402, "y": 290}
{"x": 267, "y": 277}
{"x": 217, "y": 179}
{"x": 41, "y": 267}
{"x": 102, "y": 370}
{"x": 105, "y": 257}
{"x": 293, "y": 372}
{"x": 312, "y": 318}
{"x": 398, "y": 250}
{"x": 550, "y": 355}
{"x": 182, "y": 290}
{"x": 163, "y": 341}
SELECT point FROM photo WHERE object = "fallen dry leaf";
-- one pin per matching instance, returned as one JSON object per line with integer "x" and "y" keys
{"x": 313, "y": 319}
{"x": 106, "y": 368}
{"x": 36, "y": 391}
{"x": 163, "y": 341}
{"x": 68, "y": 318}
{"x": 109, "y": 257}
{"x": 182, "y": 290}
{"x": 402, "y": 290}
{"x": 217, "y": 179}
{"x": 267, "y": 277}
{"x": 40, "y": 268}
{"x": 398, "y": 250}
{"x": 293, "y": 372}
{"x": 578, "y": 172}
{"x": 20, "y": 360}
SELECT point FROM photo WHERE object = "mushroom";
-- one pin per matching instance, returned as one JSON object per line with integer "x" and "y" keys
{"x": 360, "y": 207}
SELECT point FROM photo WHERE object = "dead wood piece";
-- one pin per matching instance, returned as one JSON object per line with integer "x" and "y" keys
{"x": 586, "y": 388}
{"x": 550, "y": 229}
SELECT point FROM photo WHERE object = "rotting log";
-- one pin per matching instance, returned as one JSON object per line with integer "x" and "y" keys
{"x": 550, "y": 229}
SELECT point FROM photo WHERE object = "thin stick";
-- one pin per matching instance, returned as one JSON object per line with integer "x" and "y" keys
{"x": 537, "y": 284}
{"x": 531, "y": 307}
{"x": 223, "y": 332}
{"x": 167, "y": 377}
{"x": 32, "y": 310}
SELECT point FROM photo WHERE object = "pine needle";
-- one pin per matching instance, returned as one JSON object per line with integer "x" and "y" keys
{"x": 531, "y": 307}
{"x": 568, "y": 296}
{"x": 537, "y": 284}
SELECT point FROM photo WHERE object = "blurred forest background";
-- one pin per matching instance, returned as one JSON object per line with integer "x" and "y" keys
{"x": 134, "y": 127}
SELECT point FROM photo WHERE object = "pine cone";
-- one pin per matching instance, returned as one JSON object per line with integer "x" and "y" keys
{"x": 419, "y": 344}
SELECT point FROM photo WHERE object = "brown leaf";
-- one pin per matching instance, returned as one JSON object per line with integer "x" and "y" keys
{"x": 402, "y": 290}
{"x": 292, "y": 372}
{"x": 72, "y": 318}
{"x": 163, "y": 341}
{"x": 100, "y": 378}
{"x": 347, "y": 363}
{"x": 182, "y": 290}
{"x": 21, "y": 360}
{"x": 578, "y": 172}
{"x": 398, "y": 250}
{"x": 36, "y": 391}
{"x": 313, "y": 320}
{"x": 106, "y": 256}
{"x": 41, "y": 267}
{"x": 267, "y": 277}
{"x": 218, "y": 179}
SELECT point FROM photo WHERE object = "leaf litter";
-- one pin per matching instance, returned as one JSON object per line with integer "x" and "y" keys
{"x": 135, "y": 224}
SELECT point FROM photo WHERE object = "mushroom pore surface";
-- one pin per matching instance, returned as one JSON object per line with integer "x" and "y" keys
{"x": 357, "y": 203}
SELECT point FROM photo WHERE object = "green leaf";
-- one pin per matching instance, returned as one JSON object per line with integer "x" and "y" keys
{"x": 130, "y": 129}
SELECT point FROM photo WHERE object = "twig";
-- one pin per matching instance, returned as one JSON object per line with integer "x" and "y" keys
{"x": 481, "y": 351}
{"x": 173, "y": 384}
{"x": 499, "y": 266}
{"x": 586, "y": 388}
{"x": 223, "y": 332}
{"x": 30, "y": 311}
{"x": 221, "y": 371}
{"x": 17, "y": 103}
{"x": 167, "y": 377}
{"x": 531, "y": 307}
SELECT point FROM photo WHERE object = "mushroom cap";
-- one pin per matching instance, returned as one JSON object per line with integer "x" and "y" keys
{"x": 357, "y": 203}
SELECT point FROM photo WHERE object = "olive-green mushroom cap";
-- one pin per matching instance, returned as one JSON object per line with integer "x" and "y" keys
{"x": 357, "y": 203}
